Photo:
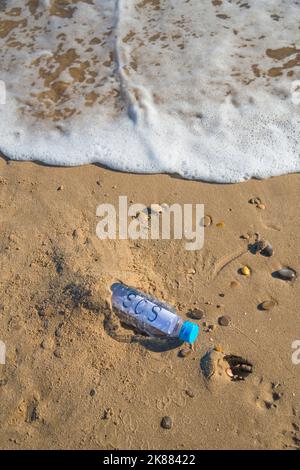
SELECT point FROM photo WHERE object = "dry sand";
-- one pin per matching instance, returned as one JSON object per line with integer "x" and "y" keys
{"x": 72, "y": 377}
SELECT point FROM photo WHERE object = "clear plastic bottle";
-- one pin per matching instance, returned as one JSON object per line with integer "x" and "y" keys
{"x": 150, "y": 315}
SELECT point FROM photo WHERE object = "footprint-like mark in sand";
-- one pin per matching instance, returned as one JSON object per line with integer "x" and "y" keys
{"x": 269, "y": 396}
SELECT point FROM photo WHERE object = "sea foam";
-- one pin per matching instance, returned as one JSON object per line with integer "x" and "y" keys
{"x": 205, "y": 89}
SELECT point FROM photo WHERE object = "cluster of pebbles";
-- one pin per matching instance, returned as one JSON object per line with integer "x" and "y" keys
{"x": 215, "y": 362}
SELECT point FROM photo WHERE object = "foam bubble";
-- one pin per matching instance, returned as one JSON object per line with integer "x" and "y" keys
{"x": 206, "y": 89}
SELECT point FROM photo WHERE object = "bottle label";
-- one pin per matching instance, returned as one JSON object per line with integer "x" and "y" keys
{"x": 144, "y": 310}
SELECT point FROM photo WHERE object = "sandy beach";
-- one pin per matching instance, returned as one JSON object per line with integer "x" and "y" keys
{"x": 75, "y": 378}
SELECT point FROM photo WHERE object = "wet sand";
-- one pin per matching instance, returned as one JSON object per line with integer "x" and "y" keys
{"x": 75, "y": 378}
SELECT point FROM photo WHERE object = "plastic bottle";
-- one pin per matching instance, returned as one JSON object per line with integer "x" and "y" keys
{"x": 150, "y": 315}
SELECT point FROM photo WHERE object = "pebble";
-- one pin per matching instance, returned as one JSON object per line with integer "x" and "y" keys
{"x": 191, "y": 271}
{"x": 60, "y": 188}
{"x": 286, "y": 274}
{"x": 234, "y": 284}
{"x": 255, "y": 200}
{"x": 57, "y": 353}
{"x": 245, "y": 270}
{"x": 260, "y": 245}
{"x": 220, "y": 224}
{"x": 206, "y": 221}
{"x": 196, "y": 314}
{"x": 166, "y": 422}
{"x": 224, "y": 320}
{"x": 267, "y": 250}
{"x": 276, "y": 396}
{"x": 190, "y": 393}
{"x": 261, "y": 206}
{"x": 268, "y": 304}
{"x": 184, "y": 352}
{"x": 92, "y": 392}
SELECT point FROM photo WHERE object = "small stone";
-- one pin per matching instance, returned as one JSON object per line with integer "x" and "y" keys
{"x": 220, "y": 224}
{"x": 234, "y": 284}
{"x": 276, "y": 396}
{"x": 58, "y": 332}
{"x": 92, "y": 392}
{"x": 60, "y": 188}
{"x": 184, "y": 352}
{"x": 211, "y": 327}
{"x": 196, "y": 314}
{"x": 190, "y": 393}
{"x": 57, "y": 353}
{"x": 166, "y": 422}
{"x": 267, "y": 250}
{"x": 260, "y": 245}
{"x": 267, "y": 304}
{"x": 224, "y": 320}
{"x": 286, "y": 274}
{"x": 245, "y": 236}
{"x": 206, "y": 221}
{"x": 245, "y": 270}
{"x": 34, "y": 415}
{"x": 255, "y": 200}
{"x": 261, "y": 206}
{"x": 107, "y": 413}
{"x": 191, "y": 271}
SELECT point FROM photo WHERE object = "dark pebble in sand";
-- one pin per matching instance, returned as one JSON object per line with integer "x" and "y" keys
{"x": 57, "y": 353}
{"x": 267, "y": 251}
{"x": 196, "y": 314}
{"x": 267, "y": 305}
{"x": 92, "y": 392}
{"x": 34, "y": 416}
{"x": 190, "y": 393}
{"x": 255, "y": 200}
{"x": 276, "y": 396}
{"x": 3, "y": 382}
{"x": 166, "y": 422}
{"x": 224, "y": 320}
{"x": 286, "y": 274}
{"x": 184, "y": 352}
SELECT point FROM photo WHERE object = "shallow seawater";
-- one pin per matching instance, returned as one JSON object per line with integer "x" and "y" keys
{"x": 206, "y": 89}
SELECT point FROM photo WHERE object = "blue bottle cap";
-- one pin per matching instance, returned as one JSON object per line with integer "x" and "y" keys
{"x": 189, "y": 332}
